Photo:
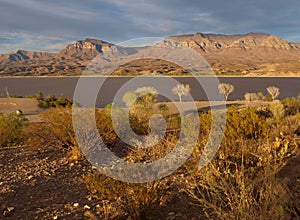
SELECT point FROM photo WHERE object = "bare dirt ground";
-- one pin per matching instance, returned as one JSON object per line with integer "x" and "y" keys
{"x": 28, "y": 106}
{"x": 45, "y": 185}
{"x": 41, "y": 185}
{"x": 31, "y": 110}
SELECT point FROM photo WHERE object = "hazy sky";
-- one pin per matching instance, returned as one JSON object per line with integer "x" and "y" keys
{"x": 50, "y": 25}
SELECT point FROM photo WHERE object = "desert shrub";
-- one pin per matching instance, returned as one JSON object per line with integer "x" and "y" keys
{"x": 105, "y": 126}
{"x": 244, "y": 124}
{"x": 263, "y": 97}
{"x": 63, "y": 102}
{"x": 39, "y": 96}
{"x": 260, "y": 96}
{"x": 230, "y": 188}
{"x": 251, "y": 97}
{"x": 52, "y": 101}
{"x": 241, "y": 182}
{"x": 130, "y": 200}
{"x": 242, "y": 179}
{"x": 163, "y": 109}
{"x": 141, "y": 111}
{"x": 277, "y": 109}
{"x": 48, "y": 102}
{"x": 56, "y": 129}
{"x": 288, "y": 126}
{"x": 157, "y": 151}
{"x": 291, "y": 106}
{"x": 129, "y": 98}
{"x": 11, "y": 129}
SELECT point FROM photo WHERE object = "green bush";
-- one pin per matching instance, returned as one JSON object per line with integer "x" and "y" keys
{"x": 11, "y": 129}
{"x": 51, "y": 100}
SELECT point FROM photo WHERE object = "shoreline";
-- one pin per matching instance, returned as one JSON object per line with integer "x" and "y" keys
{"x": 152, "y": 76}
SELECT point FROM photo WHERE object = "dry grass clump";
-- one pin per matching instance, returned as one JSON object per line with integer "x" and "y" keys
{"x": 243, "y": 185}
{"x": 242, "y": 182}
{"x": 55, "y": 130}
{"x": 128, "y": 200}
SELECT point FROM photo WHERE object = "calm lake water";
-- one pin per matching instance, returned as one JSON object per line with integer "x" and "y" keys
{"x": 65, "y": 86}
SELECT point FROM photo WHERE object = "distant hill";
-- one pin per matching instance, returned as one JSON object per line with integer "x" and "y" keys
{"x": 249, "y": 54}
{"x": 257, "y": 54}
{"x": 21, "y": 55}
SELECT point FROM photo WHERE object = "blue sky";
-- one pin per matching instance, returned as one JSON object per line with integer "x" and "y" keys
{"x": 43, "y": 25}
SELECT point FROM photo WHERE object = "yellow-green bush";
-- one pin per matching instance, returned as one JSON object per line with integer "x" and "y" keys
{"x": 11, "y": 129}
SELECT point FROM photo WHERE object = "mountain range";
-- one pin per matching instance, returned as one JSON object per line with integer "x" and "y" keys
{"x": 250, "y": 54}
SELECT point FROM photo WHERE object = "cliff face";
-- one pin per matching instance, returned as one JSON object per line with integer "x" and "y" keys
{"x": 256, "y": 54}
{"x": 251, "y": 54}
{"x": 212, "y": 43}
{"x": 84, "y": 49}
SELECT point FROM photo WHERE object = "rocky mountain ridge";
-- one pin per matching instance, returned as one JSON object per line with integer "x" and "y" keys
{"x": 249, "y": 54}
{"x": 21, "y": 55}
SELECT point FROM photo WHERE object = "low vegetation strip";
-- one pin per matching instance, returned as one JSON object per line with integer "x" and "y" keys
{"x": 254, "y": 175}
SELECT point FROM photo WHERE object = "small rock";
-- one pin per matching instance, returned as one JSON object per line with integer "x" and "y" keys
{"x": 55, "y": 217}
{"x": 10, "y": 209}
{"x": 72, "y": 165}
{"x": 76, "y": 204}
{"x": 86, "y": 207}
{"x": 171, "y": 213}
{"x": 30, "y": 177}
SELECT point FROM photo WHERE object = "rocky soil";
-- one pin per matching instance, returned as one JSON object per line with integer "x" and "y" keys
{"x": 42, "y": 185}
{"x": 45, "y": 184}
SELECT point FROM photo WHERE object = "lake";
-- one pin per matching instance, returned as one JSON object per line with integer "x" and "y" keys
{"x": 65, "y": 86}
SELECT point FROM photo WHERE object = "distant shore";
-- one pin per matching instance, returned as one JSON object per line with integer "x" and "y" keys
{"x": 158, "y": 76}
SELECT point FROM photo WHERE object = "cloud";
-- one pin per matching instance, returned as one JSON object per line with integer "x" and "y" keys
{"x": 49, "y": 7}
{"x": 23, "y": 41}
{"x": 55, "y": 47}
{"x": 5, "y": 40}
{"x": 54, "y": 23}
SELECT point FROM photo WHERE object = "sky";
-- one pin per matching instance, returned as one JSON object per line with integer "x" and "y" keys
{"x": 49, "y": 25}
